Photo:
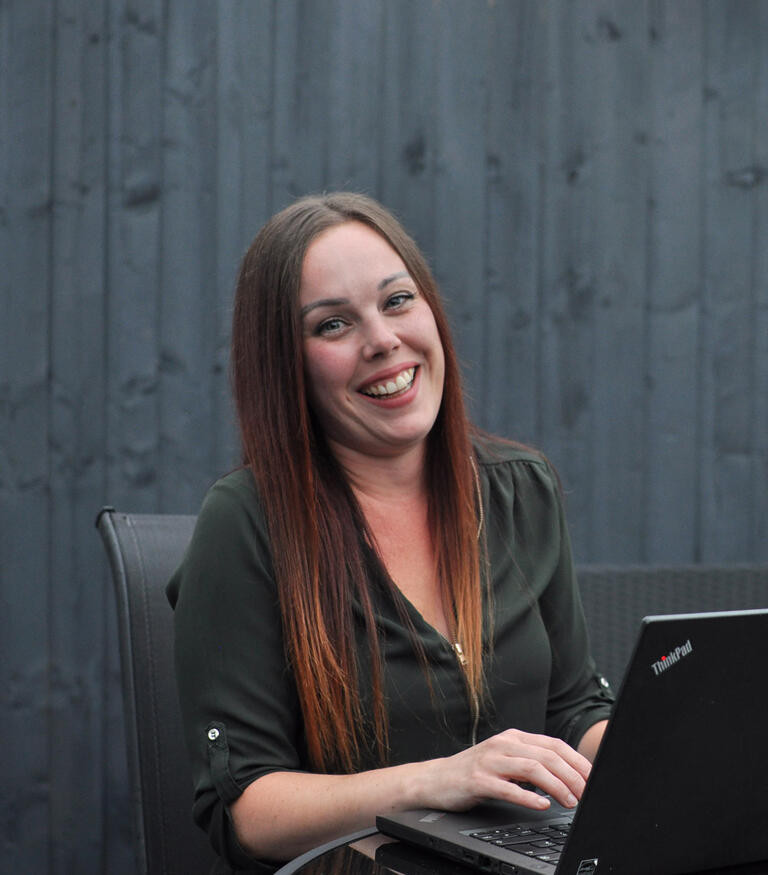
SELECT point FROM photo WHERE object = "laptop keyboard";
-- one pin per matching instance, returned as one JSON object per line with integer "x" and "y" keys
{"x": 543, "y": 842}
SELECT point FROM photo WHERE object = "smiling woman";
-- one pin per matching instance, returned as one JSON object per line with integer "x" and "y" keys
{"x": 378, "y": 610}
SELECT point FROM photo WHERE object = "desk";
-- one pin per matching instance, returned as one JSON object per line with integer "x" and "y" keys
{"x": 379, "y": 855}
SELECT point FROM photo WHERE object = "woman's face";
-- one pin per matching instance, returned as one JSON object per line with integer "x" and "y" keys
{"x": 372, "y": 354}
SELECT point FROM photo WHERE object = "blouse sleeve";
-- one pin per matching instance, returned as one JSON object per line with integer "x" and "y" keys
{"x": 238, "y": 701}
{"x": 544, "y": 675}
{"x": 579, "y": 695}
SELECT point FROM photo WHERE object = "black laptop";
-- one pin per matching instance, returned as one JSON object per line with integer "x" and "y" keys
{"x": 680, "y": 783}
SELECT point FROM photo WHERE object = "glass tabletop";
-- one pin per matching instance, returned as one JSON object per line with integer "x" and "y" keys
{"x": 379, "y": 855}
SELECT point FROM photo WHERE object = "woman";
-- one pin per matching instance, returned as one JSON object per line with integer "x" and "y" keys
{"x": 378, "y": 610}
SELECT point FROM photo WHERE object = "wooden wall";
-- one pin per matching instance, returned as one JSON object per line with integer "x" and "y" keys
{"x": 588, "y": 178}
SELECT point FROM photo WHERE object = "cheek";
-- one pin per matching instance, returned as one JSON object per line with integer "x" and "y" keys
{"x": 326, "y": 368}
{"x": 431, "y": 338}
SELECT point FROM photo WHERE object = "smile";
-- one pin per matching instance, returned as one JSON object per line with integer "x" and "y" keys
{"x": 401, "y": 383}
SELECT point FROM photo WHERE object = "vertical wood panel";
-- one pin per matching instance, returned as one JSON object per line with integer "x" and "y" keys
{"x": 354, "y": 56}
{"x": 615, "y": 304}
{"x": 135, "y": 159}
{"x": 407, "y": 130}
{"x": 460, "y": 209}
{"x": 244, "y": 119}
{"x": 760, "y": 257}
{"x": 727, "y": 450}
{"x": 299, "y": 146}
{"x": 187, "y": 267}
{"x": 675, "y": 280}
{"x": 567, "y": 270}
{"x": 517, "y": 92}
{"x": 25, "y": 568}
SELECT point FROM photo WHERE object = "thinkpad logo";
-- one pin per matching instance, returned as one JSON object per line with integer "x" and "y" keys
{"x": 672, "y": 658}
{"x": 587, "y": 867}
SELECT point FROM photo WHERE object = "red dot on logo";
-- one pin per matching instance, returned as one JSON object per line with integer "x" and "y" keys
{"x": 663, "y": 658}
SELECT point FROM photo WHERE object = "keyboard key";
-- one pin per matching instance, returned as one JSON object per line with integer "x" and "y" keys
{"x": 527, "y": 849}
{"x": 513, "y": 842}
{"x": 549, "y": 834}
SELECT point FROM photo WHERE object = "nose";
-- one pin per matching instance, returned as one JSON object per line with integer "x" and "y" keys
{"x": 380, "y": 338}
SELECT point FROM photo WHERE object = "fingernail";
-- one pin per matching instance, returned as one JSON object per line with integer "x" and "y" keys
{"x": 571, "y": 800}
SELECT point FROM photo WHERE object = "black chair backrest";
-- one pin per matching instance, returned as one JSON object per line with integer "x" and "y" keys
{"x": 616, "y": 599}
{"x": 144, "y": 550}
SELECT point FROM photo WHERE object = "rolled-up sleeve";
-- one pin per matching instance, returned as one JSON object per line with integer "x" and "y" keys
{"x": 238, "y": 700}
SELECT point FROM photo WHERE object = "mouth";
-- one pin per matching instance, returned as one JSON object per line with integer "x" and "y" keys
{"x": 399, "y": 384}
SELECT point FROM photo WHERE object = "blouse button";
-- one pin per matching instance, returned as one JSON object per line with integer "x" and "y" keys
{"x": 213, "y": 733}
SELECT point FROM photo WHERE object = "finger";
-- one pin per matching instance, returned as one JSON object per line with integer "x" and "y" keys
{"x": 551, "y": 761}
{"x": 511, "y": 791}
{"x": 539, "y": 775}
{"x": 574, "y": 759}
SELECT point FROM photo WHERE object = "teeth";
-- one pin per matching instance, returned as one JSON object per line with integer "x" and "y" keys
{"x": 402, "y": 381}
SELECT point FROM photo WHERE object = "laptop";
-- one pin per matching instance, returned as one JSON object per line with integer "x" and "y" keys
{"x": 680, "y": 783}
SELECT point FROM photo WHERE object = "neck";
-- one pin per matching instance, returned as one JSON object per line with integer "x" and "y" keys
{"x": 385, "y": 478}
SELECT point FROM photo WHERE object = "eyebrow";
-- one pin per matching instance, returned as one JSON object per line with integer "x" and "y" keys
{"x": 324, "y": 302}
{"x": 389, "y": 279}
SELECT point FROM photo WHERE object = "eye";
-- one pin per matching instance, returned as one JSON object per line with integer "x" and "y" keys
{"x": 330, "y": 327}
{"x": 399, "y": 300}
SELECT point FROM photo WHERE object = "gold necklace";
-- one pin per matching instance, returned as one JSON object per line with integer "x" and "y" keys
{"x": 481, "y": 516}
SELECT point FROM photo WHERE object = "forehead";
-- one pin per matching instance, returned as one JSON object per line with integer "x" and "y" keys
{"x": 347, "y": 257}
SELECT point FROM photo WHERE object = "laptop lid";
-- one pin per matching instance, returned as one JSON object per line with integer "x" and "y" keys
{"x": 679, "y": 781}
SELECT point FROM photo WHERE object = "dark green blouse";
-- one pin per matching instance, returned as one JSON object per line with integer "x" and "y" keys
{"x": 238, "y": 699}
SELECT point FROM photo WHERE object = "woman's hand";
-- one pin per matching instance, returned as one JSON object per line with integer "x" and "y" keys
{"x": 497, "y": 767}
{"x": 285, "y": 813}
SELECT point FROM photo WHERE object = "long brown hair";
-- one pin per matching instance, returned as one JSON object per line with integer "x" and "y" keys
{"x": 319, "y": 537}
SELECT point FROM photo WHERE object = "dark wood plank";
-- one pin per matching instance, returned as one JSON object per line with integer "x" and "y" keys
{"x": 243, "y": 184}
{"x": 300, "y": 132}
{"x": 461, "y": 32}
{"x": 353, "y": 111}
{"x": 615, "y": 300}
{"x": 570, "y": 172}
{"x": 407, "y": 131}
{"x": 186, "y": 295}
{"x": 136, "y": 187}
{"x": 727, "y": 365}
{"x": 26, "y": 285}
{"x": 510, "y": 360}
{"x": 676, "y": 70}
{"x": 760, "y": 256}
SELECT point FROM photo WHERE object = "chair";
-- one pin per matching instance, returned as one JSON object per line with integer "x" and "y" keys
{"x": 616, "y": 599}
{"x": 143, "y": 552}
